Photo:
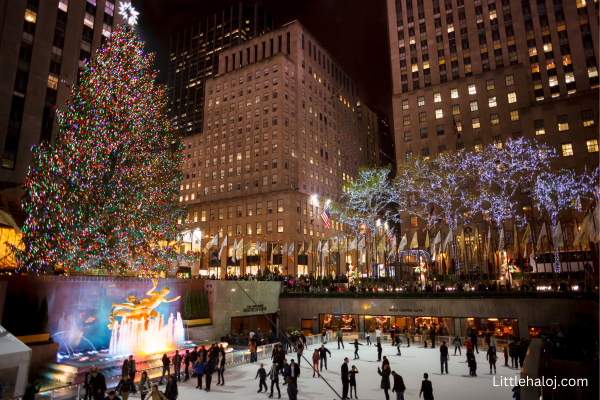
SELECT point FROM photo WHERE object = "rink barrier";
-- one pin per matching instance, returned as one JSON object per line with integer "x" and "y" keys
{"x": 417, "y": 339}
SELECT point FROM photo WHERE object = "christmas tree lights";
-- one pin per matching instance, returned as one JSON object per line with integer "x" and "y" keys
{"x": 105, "y": 195}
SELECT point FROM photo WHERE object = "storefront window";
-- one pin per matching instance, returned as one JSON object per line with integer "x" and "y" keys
{"x": 382, "y": 322}
{"x": 343, "y": 322}
{"x": 501, "y": 328}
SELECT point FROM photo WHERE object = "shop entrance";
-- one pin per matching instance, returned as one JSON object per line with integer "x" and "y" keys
{"x": 242, "y": 326}
{"x": 307, "y": 326}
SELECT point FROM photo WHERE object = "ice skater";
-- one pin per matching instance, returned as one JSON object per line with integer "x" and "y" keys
{"x": 385, "y": 380}
{"x": 323, "y": 354}
{"x": 368, "y": 336}
{"x": 426, "y": 388}
{"x": 491, "y": 357}
{"x": 398, "y": 343}
{"x": 315, "y": 360}
{"x": 356, "y": 344}
{"x": 379, "y": 350}
{"x": 340, "y": 339}
{"x": 407, "y": 337}
{"x": 262, "y": 374}
{"x": 457, "y": 345}
{"x": 274, "y": 374}
{"x": 444, "y": 356}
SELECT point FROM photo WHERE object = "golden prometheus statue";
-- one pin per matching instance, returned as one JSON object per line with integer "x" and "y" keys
{"x": 141, "y": 309}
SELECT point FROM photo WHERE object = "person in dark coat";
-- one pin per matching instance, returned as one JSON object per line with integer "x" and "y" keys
{"x": 491, "y": 357}
{"x": 426, "y": 388}
{"x": 385, "y": 380}
{"x": 285, "y": 370}
{"x": 292, "y": 389}
{"x": 353, "y": 373}
{"x": 186, "y": 361}
{"x": 294, "y": 373}
{"x": 34, "y": 387}
{"x": 87, "y": 384}
{"x": 379, "y": 350}
{"x": 166, "y": 368}
{"x": 171, "y": 389}
{"x": 262, "y": 374}
{"x": 209, "y": 369}
{"x": 274, "y": 374}
{"x": 444, "y": 356}
{"x": 98, "y": 383}
{"x": 271, "y": 337}
{"x": 399, "y": 387}
{"x": 345, "y": 379}
{"x": 323, "y": 354}
{"x": 112, "y": 395}
{"x": 220, "y": 367}
{"x": 125, "y": 387}
{"x": 474, "y": 340}
{"x": 472, "y": 363}
{"x": 385, "y": 362}
{"x": 131, "y": 370}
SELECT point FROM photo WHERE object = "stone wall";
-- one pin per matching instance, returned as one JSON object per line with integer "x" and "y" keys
{"x": 568, "y": 313}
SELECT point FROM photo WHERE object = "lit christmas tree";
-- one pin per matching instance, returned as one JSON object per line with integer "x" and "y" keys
{"x": 105, "y": 194}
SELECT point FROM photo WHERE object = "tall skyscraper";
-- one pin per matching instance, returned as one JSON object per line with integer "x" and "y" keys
{"x": 42, "y": 43}
{"x": 378, "y": 146}
{"x": 194, "y": 58}
{"x": 494, "y": 69}
{"x": 281, "y": 135}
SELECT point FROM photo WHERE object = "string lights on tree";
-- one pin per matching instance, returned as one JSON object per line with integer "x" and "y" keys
{"x": 105, "y": 195}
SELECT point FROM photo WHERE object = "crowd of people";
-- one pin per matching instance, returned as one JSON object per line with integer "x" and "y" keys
{"x": 287, "y": 356}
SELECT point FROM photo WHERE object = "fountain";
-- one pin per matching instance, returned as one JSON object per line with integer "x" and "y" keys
{"x": 146, "y": 336}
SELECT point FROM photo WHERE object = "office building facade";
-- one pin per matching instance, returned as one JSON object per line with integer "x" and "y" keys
{"x": 281, "y": 136}
{"x": 42, "y": 43}
{"x": 378, "y": 146}
{"x": 194, "y": 58}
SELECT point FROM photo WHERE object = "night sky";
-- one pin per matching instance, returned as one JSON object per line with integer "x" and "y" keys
{"x": 353, "y": 31}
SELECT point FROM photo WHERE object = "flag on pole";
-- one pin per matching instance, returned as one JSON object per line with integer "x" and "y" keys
{"x": 414, "y": 243}
{"x": 212, "y": 242}
{"x": 310, "y": 248}
{"x": 352, "y": 245}
{"x": 239, "y": 251}
{"x": 542, "y": 234}
{"x": 361, "y": 244}
{"x": 455, "y": 128}
{"x": 234, "y": 247}
{"x": 334, "y": 245}
{"x": 319, "y": 247}
{"x": 390, "y": 234}
{"x": 447, "y": 240}
{"x": 476, "y": 240}
{"x": 525, "y": 239}
{"x": 557, "y": 237}
{"x": 594, "y": 225}
{"x": 272, "y": 251}
{"x": 325, "y": 218}
{"x": 427, "y": 240}
{"x": 325, "y": 248}
{"x": 257, "y": 247}
{"x": 263, "y": 247}
{"x": 284, "y": 249}
{"x": 461, "y": 240}
{"x": 437, "y": 239}
{"x": 501, "y": 240}
{"x": 224, "y": 244}
{"x": 247, "y": 247}
{"x": 301, "y": 249}
{"x": 582, "y": 231}
{"x": 403, "y": 243}
{"x": 489, "y": 241}
{"x": 291, "y": 249}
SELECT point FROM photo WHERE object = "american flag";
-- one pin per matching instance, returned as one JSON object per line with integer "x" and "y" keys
{"x": 391, "y": 234}
{"x": 325, "y": 218}
{"x": 432, "y": 214}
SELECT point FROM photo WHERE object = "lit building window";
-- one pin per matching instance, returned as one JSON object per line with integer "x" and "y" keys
{"x": 472, "y": 89}
{"x": 510, "y": 80}
{"x": 437, "y": 97}
{"x": 567, "y": 149}
{"x": 563, "y": 122}
{"x": 455, "y": 109}
{"x": 492, "y": 101}
{"x": 421, "y": 101}
{"x": 454, "y": 93}
{"x": 478, "y": 145}
{"x": 489, "y": 84}
{"x": 588, "y": 118}
{"x": 475, "y": 123}
{"x": 538, "y": 124}
{"x": 414, "y": 222}
{"x": 438, "y": 113}
{"x": 494, "y": 119}
{"x": 473, "y": 105}
{"x": 405, "y": 104}
{"x": 514, "y": 115}
{"x": 512, "y": 97}
{"x": 592, "y": 146}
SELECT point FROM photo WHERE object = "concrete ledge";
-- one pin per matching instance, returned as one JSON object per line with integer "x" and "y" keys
{"x": 196, "y": 322}
{"x": 41, "y": 337}
{"x": 530, "y": 371}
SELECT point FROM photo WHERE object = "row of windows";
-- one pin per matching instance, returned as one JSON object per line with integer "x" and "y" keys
{"x": 301, "y": 228}
{"x": 587, "y": 117}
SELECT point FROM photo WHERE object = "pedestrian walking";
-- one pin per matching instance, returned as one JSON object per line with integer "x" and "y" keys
{"x": 87, "y": 384}
{"x": 144, "y": 385}
{"x": 407, "y": 337}
{"x": 274, "y": 375}
{"x": 292, "y": 388}
{"x": 340, "y": 338}
{"x": 303, "y": 337}
{"x": 98, "y": 383}
{"x": 171, "y": 391}
{"x": 323, "y": 354}
{"x": 426, "y": 388}
{"x": 444, "y": 356}
{"x": 385, "y": 362}
{"x": 491, "y": 357}
{"x": 368, "y": 336}
{"x": 324, "y": 335}
{"x": 262, "y": 374}
{"x": 356, "y": 344}
{"x": 156, "y": 394}
{"x": 457, "y": 345}
{"x": 353, "y": 373}
{"x": 379, "y": 350}
{"x": 285, "y": 371}
{"x": 505, "y": 357}
{"x": 220, "y": 367}
{"x": 315, "y": 362}
{"x": 345, "y": 379}
{"x": 125, "y": 387}
{"x": 378, "y": 334}
{"x": 131, "y": 370}
{"x": 299, "y": 351}
{"x": 399, "y": 387}
{"x": 166, "y": 369}
{"x": 294, "y": 372}
{"x": 177, "y": 365}
{"x": 193, "y": 359}
{"x": 385, "y": 380}
{"x": 252, "y": 347}
{"x": 186, "y": 361}
{"x": 512, "y": 353}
